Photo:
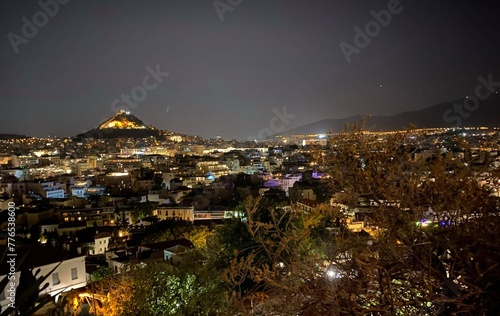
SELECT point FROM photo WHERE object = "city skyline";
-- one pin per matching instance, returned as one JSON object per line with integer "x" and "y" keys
{"x": 237, "y": 157}
{"x": 211, "y": 68}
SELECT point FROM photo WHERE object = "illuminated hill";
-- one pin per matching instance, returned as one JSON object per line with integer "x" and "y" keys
{"x": 123, "y": 120}
{"x": 122, "y": 125}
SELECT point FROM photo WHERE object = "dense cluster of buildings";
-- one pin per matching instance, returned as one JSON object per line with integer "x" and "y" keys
{"x": 87, "y": 197}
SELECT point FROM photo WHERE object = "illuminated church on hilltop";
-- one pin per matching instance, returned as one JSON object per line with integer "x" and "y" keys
{"x": 123, "y": 120}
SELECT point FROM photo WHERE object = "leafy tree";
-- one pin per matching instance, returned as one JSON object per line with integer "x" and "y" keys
{"x": 175, "y": 229}
{"x": 101, "y": 273}
{"x": 449, "y": 267}
{"x": 122, "y": 219}
{"x": 142, "y": 210}
{"x": 160, "y": 289}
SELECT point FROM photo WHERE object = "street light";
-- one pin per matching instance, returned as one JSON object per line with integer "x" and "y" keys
{"x": 332, "y": 273}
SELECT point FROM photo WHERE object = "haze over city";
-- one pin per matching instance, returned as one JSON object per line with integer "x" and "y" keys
{"x": 229, "y": 68}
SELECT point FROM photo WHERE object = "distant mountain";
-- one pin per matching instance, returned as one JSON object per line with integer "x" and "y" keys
{"x": 440, "y": 115}
{"x": 12, "y": 136}
{"x": 122, "y": 125}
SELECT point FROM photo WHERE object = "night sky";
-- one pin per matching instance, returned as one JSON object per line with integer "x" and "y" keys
{"x": 225, "y": 77}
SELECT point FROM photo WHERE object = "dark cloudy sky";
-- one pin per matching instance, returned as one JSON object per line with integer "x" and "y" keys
{"x": 226, "y": 77}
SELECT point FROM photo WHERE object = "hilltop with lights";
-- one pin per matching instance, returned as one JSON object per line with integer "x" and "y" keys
{"x": 123, "y": 120}
{"x": 122, "y": 125}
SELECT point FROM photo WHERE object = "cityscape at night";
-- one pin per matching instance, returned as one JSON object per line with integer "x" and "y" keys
{"x": 235, "y": 157}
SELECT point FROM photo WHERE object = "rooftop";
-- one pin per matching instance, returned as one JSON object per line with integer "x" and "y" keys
{"x": 36, "y": 256}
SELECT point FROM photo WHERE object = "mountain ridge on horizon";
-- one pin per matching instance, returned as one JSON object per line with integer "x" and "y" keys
{"x": 440, "y": 115}
{"x": 443, "y": 114}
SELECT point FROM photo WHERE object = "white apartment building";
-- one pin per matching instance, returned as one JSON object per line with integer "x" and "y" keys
{"x": 69, "y": 270}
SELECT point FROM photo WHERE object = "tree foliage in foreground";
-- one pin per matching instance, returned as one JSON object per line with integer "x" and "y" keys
{"x": 160, "y": 289}
{"x": 450, "y": 267}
